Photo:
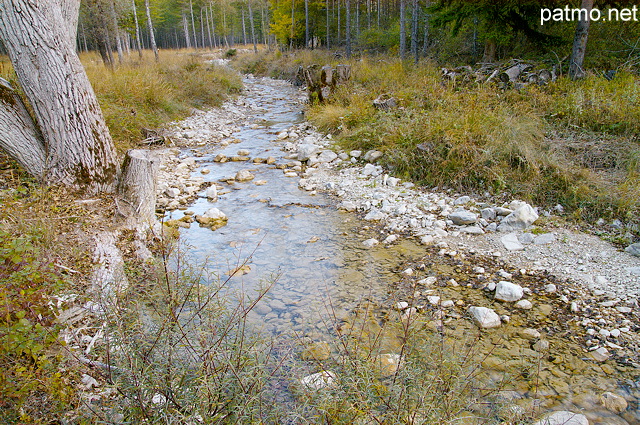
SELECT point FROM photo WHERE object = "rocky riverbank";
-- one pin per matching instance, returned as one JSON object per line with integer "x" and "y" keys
{"x": 510, "y": 265}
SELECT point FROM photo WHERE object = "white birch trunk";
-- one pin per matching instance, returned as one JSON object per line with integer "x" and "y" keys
{"x": 19, "y": 136}
{"x": 135, "y": 19}
{"x": 80, "y": 152}
{"x": 152, "y": 37}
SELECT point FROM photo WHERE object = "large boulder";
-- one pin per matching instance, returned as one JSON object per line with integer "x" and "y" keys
{"x": 519, "y": 219}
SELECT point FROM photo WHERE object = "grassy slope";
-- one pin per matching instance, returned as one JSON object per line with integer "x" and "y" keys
{"x": 571, "y": 143}
{"x": 42, "y": 250}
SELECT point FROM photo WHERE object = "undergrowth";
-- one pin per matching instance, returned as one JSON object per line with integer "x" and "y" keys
{"x": 482, "y": 139}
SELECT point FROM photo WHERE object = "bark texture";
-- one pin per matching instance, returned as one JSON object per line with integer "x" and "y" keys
{"x": 137, "y": 188}
{"x": 580, "y": 43}
{"x": 19, "y": 136}
{"x": 80, "y": 151}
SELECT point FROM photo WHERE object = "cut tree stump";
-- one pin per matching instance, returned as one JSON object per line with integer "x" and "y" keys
{"x": 136, "y": 200}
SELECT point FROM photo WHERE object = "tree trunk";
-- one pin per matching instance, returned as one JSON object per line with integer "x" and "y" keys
{"x": 137, "y": 188}
{"x": 152, "y": 37}
{"x": 490, "y": 48}
{"x": 202, "y": 34}
{"x": 253, "y": 31}
{"x": 293, "y": 23}
{"x": 403, "y": 29}
{"x": 414, "y": 31}
{"x": 348, "y": 27}
{"x": 19, "y": 136}
{"x": 135, "y": 19}
{"x": 206, "y": 13}
{"x": 327, "y": 25}
{"x": 306, "y": 24}
{"x": 116, "y": 31}
{"x": 244, "y": 29}
{"x": 80, "y": 152}
{"x": 580, "y": 43}
{"x": 185, "y": 25}
{"x": 193, "y": 26}
{"x": 425, "y": 36}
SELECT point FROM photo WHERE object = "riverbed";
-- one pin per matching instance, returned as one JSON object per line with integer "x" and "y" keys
{"x": 311, "y": 252}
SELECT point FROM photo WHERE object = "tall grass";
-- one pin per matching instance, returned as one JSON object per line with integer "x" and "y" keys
{"x": 144, "y": 94}
{"x": 479, "y": 138}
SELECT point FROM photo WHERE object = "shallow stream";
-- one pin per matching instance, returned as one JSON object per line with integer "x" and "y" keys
{"x": 313, "y": 255}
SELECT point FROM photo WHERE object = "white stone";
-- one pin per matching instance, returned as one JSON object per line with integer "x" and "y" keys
{"x": 544, "y": 239}
{"x": 355, "y": 154}
{"x": 390, "y": 239}
{"x": 462, "y": 200}
{"x": 370, "y": 243}
{"x": 327, "y": 156}
{"x": 472, "y": 230}
{"x": 372, "y": 156}
{"x": 524, "y": 305}
{"x": 564, "y": 417}
{"x": 427, "y": 240}
{"x": 428, "y": 280}
{"x": 463, "y": 217}
{"x": 371, "y": 170}
{"x": 530, "y": 333}
{"x": 375, "y": 215}
{"x": 526, "y": 238}
{"x": 488, "y": 214}
{"x": 172, "y": 192}
{"x": 244, "y": 176}
{"x": 433, "y": 299}
{"x": 347, "y": 206}
{"x": 158, "y": 399}
{"x": 507, "y": 291}
{"x": 402, "y": 305}
{"x": 214, "y": 213}
{"x": 600, "y": 354}
{"x": 519, "y": 219}
{"x": 306, "y": 150}
{"x": 212, "y": 193}
{"x": 318, "y": 381}
{"x": 633, "y": 249}
{"x": 550, "y": 288}
{"x": 484, "y": 317}
{"x": 511, "y": 242}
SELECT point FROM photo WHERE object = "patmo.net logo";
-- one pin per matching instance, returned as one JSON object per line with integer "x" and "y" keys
{"x": 568, "y": 14}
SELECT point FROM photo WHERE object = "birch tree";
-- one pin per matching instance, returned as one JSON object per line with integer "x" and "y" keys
{"x": 40, "y": 40}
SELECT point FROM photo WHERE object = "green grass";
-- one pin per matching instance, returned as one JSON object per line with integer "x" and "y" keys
{"x": 530, "y": 143}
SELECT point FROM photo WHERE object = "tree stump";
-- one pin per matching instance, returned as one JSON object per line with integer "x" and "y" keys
{"x": 136, "y": 198}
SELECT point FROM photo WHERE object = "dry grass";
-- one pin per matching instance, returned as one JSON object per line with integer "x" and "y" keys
{"x": 144, "y": 94}
{"x": 479, "y": 138}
